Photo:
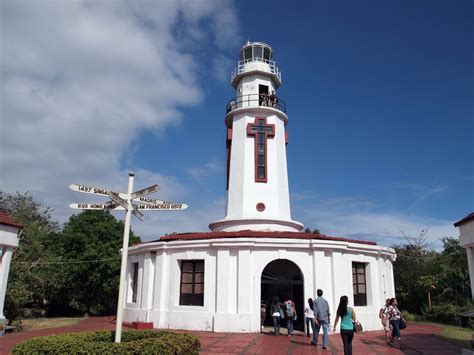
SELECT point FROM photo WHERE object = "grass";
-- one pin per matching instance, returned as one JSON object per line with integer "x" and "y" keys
{"x": 457, "y": 335}
{"x": 44, "y": 323}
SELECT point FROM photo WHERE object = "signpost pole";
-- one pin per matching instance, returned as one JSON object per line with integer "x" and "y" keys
{"x": 123, "y": 268}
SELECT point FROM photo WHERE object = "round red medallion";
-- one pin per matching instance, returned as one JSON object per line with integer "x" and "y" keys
{"x": 260, "y": 207}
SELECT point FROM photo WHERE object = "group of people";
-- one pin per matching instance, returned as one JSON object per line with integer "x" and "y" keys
{"x": 268, "y": 100}
{"x": 392, "y": 321}
{"x": 317, "y": 316}
{"x": 280, "y": 311}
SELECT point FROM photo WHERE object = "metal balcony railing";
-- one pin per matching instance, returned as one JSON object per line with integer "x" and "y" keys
{"x": 256, "y": 100}
{"x": 241, "y": 67}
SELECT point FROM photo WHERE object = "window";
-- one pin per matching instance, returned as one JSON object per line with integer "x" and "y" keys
{"x": 266, "y": 54}
{"x": 192, "y": 283}
{"x": 258, "y": 52}
{"x": 248, "y": 53}
{"x": 134, "y": 282}
{"x": 359, "y": 284}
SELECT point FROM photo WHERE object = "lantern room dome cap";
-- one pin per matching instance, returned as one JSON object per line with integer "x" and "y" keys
{"x": 263, "y": 44}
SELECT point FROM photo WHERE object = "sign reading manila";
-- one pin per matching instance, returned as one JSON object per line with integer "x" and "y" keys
{"x": 123, "y": 202}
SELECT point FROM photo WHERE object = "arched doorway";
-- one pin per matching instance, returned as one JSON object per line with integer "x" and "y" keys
{"x": 281, "y": 278}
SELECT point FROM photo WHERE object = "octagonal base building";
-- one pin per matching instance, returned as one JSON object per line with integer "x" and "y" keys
{"x": 217, "y": 280}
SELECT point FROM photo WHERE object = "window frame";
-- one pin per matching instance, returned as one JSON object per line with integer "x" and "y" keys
{"x": 194, "y": 298}
{"x": 360, "y": 298}
{"x": 135, "y": 267}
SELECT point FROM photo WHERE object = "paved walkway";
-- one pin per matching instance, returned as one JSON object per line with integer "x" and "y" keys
{"x": 417, "y": 339}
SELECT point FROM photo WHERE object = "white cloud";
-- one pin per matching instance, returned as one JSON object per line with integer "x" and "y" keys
{"x": 81, "y": 79}
{"x": 356, "y": 217}
{"x": 201, "y": 173}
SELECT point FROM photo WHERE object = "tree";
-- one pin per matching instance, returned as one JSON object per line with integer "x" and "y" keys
{"x": 314, "y": 231}
{"x": 454, "y": 273}
{"x": 428, "y": 283}
{"x": 414, "y": 262}
{"x": 91, "y": 242}
{"x": 32, "y": 280}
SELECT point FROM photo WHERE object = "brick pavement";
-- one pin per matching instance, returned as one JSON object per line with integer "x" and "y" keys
{"x": 417, "y": 339}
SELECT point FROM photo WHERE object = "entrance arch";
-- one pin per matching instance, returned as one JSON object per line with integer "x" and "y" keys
{"x": 283, "y": 278}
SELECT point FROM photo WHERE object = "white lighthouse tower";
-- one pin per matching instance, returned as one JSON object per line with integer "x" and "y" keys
{"x": 257, "y": 177}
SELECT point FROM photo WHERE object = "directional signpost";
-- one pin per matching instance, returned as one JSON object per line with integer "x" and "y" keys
{"x": 123, "y": 202}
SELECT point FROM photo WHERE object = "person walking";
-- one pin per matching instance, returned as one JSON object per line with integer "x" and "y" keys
{"x": 383, "y": 315}
{"x": 263, "y": 313}
{"x": 347, "y": 316}
{"x": 276, "y": 315}
{"x": 394, "y": 317}
{"x": 290, "y": 311}
{"x": 309, "y": 316}
{"x": 321, "y": 315}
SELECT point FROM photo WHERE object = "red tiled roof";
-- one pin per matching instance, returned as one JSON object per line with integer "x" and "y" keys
{"x": 9, "y": 221}
{"x": 255, "y": 234}
{"x": 465, "y": 219}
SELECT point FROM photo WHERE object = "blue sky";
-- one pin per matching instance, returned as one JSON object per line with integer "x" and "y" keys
{"x": 379, "y": 97}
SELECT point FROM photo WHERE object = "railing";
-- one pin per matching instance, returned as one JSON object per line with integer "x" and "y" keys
{"x": 256, "y": 100}
{"x": 241, "y": 65}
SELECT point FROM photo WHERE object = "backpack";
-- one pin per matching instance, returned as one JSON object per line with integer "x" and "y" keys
{"x": 289, "y": 309}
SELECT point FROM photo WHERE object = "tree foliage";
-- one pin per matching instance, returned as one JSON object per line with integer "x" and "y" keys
{"x": 31, "y": 278}
{"x": 423, "y": 276}
{"x": 91, "y": 242}
{"x": 314, "y": 231}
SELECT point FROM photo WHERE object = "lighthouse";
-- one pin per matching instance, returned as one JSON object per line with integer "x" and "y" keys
{"x": 257, "y": 177}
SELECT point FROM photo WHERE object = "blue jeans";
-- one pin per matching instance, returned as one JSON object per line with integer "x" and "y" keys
{"x": 276, "y": 325}
{"x": 325, "y": 326}
{"x": 309, "y": 322}
{"x": 395, "y": 323}
{"x": 289, "y": 325}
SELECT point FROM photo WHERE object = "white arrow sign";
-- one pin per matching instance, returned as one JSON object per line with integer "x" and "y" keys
{"x": 114, "y": 196}
{"x": 163, "y": 207}
{"x": 89, "y": 189}
{"x": 152, "y": 201}
{"x": 144, "y": 192}
{"x": 96, "y": 206}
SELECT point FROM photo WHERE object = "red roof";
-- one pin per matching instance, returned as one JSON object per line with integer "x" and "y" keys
{"x": 255, "y": 234}
{"x": 9, "y": 221}
{"x": 465, "y": 219}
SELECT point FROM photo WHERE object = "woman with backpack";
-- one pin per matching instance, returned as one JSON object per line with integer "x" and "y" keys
{"x": 290, "y": 311}
{"x": 277, "y": 314}
{"x": 347, "y": 315}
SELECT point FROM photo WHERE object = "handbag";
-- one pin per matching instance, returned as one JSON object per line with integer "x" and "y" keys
{"x": 403, "y": 323}
{"x": 357, "y": 326}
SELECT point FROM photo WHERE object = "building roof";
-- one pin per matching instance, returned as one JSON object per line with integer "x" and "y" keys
{"x": 465, "y": 219}
{"x": 255, "y": 234}
{"x": 8, "y": 221}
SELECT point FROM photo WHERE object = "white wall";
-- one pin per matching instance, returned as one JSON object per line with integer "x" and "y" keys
{"x": 466, "y": 240}
{"x": 233, "y": 269}
{"x": 8, "y": 242}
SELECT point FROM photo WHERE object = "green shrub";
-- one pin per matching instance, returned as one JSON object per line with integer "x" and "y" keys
{"x": 102, "y": 342}
{"x": 445, "y": 313}
{"x": 410, "y": 317}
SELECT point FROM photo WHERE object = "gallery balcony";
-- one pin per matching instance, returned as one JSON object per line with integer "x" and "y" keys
{"x": 256, "y": 100}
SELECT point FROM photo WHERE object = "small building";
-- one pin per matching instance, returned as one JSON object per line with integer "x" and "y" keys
{"x": 466, "y": 240}
{"x": 9, "y": 239}
{"x": 216, "y": 281}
